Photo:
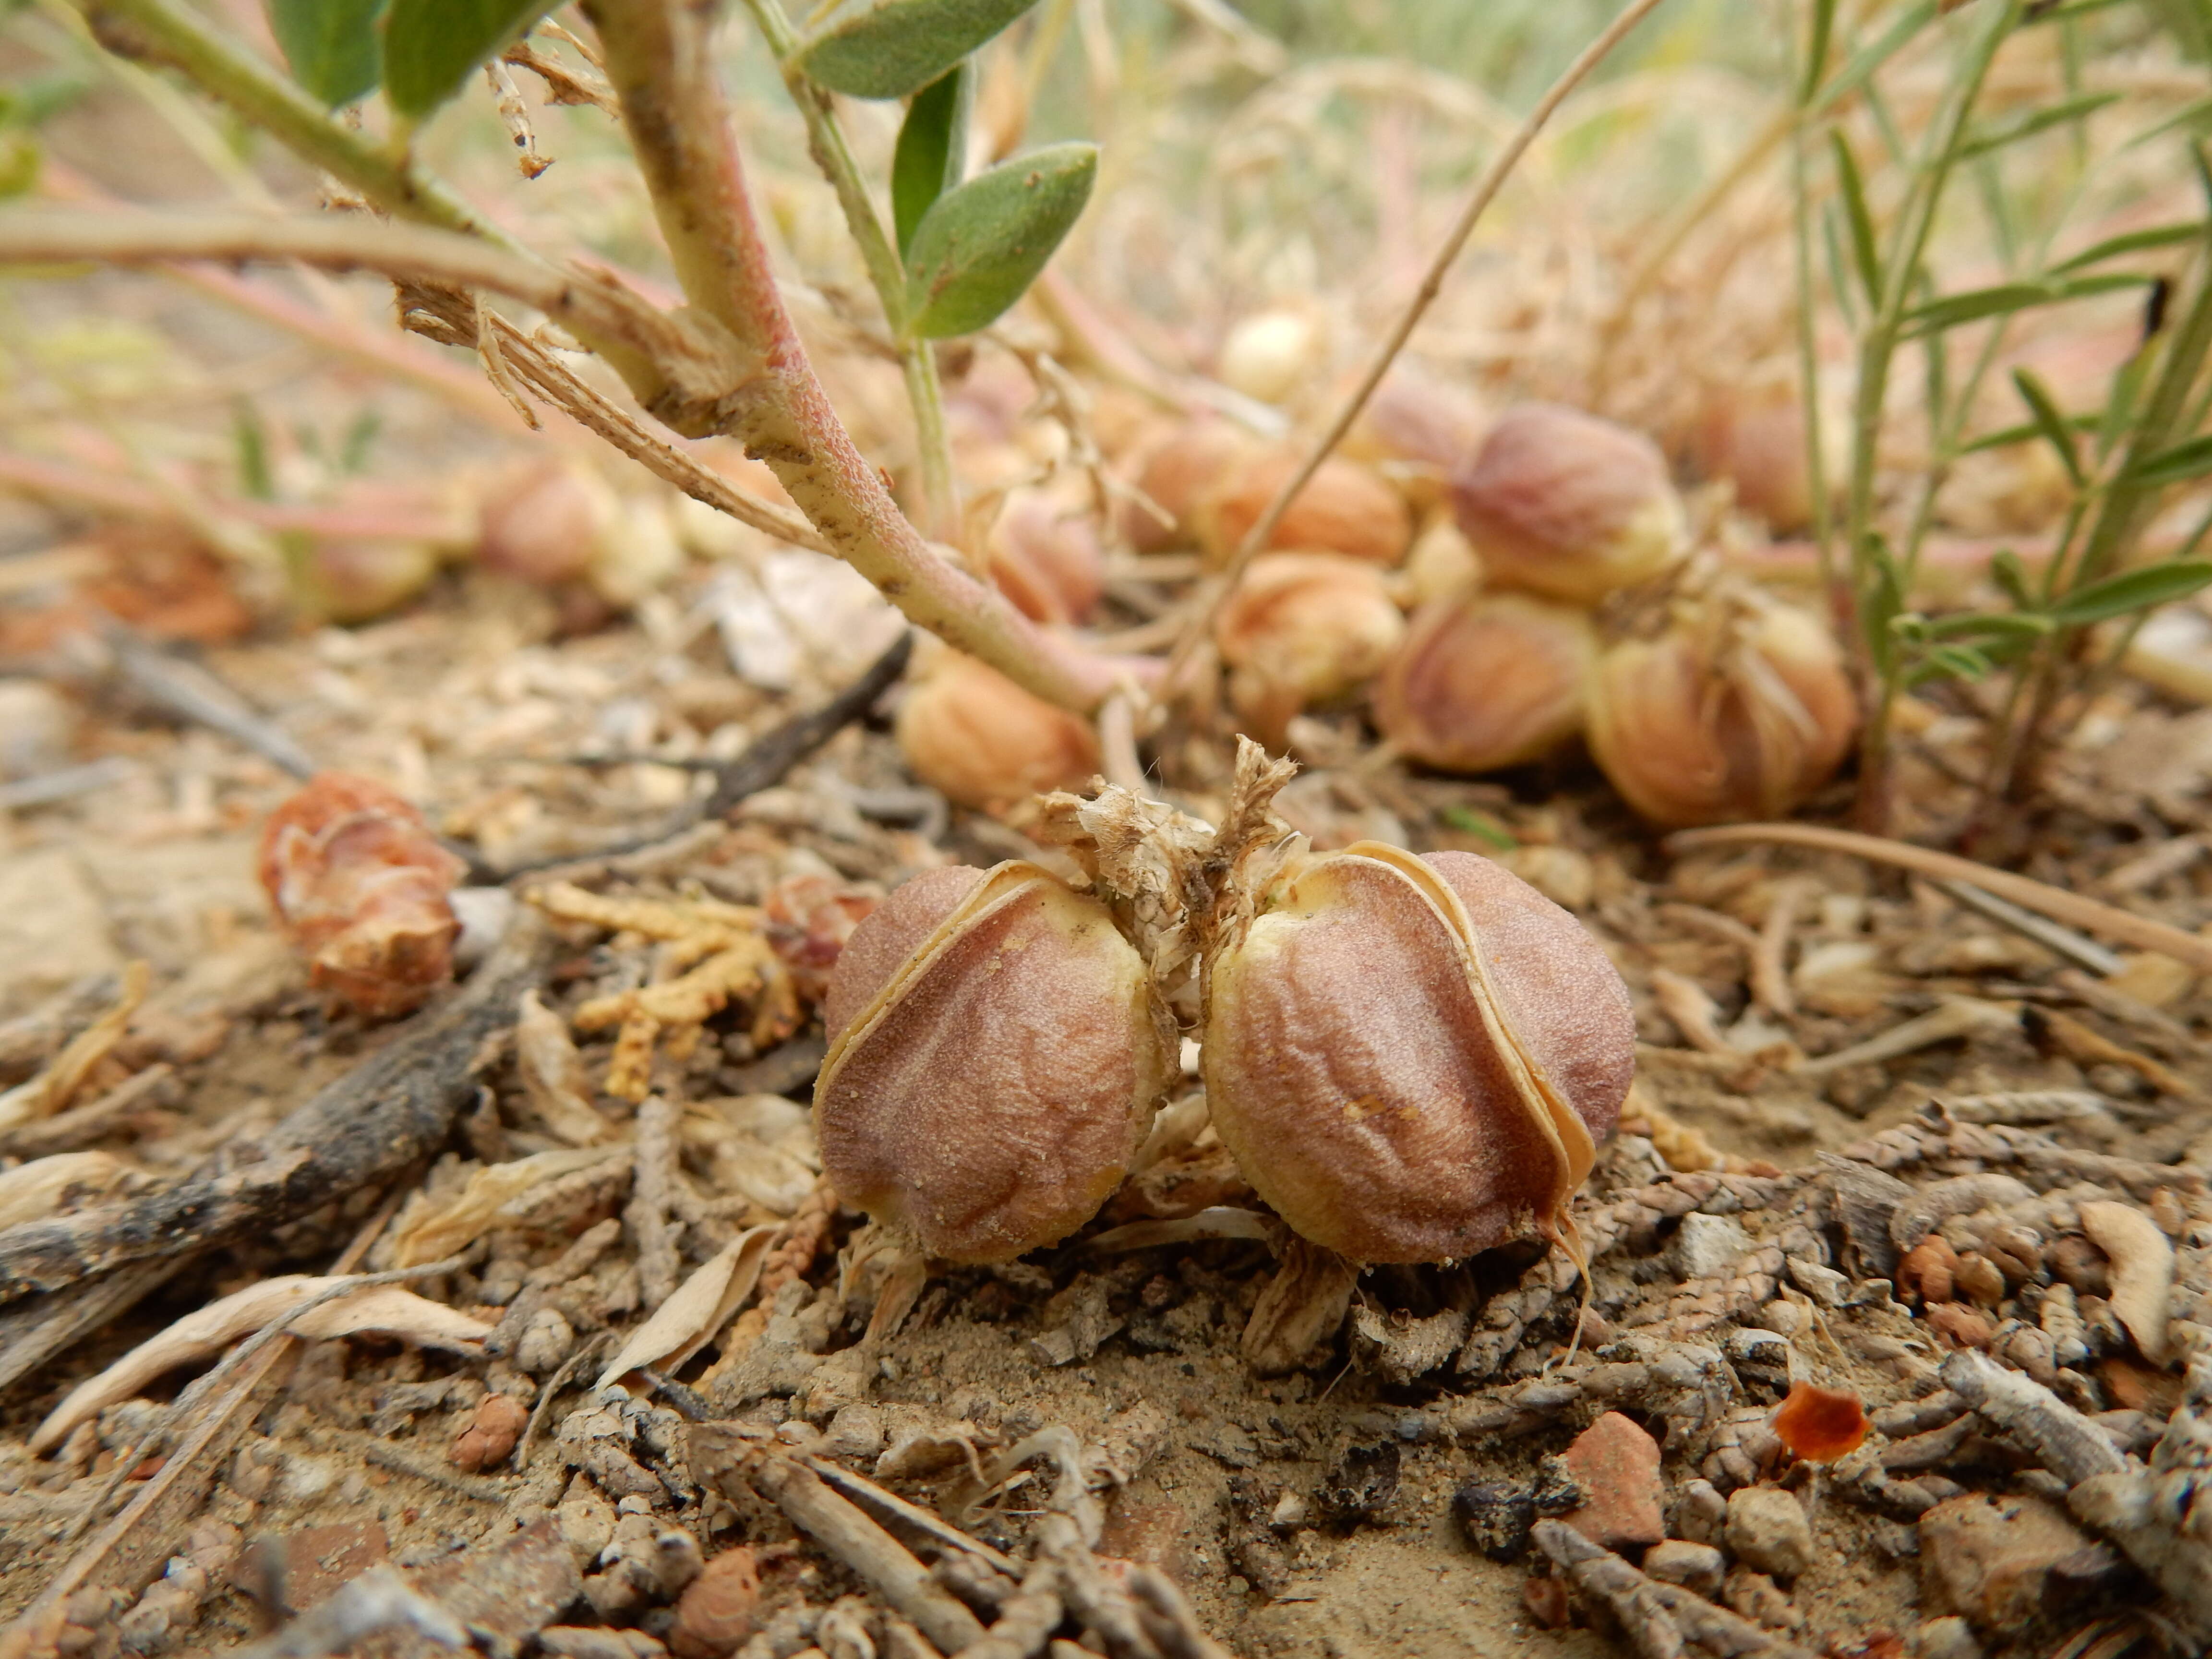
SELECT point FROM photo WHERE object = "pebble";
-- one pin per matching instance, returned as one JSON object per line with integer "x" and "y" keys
{"x": 1707, "y": 1246}
{"x": 1700, "y": 1513}
{"x": 1699, "y": 1567}
{"x": 1616, "y": 1465}
{"x": 1990, "y": 1560}
{"x": 1767, "y": 1530}
{"x": 1945, "y": 1638}
{"x": 1754, "y": 1596}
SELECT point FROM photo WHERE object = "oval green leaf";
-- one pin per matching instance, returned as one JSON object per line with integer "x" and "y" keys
{"x": 888, "y": 48}
{"x": 431, "y": 47}
{"x": 330, "y": 45}
{"x": 981, "y": 245}
{"x": 932, "y": 145}
{"x": 2132, "y": 590}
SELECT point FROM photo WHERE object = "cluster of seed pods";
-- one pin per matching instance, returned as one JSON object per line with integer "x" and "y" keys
{"x": 1412, "y": 1058}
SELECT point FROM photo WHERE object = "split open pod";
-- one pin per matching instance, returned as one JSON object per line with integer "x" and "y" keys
{"x": 996, "y": 1053}
{"x": 1412, "y": 1058}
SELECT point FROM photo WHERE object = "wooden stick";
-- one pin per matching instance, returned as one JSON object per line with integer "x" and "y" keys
{"x": 2092, "y": 917}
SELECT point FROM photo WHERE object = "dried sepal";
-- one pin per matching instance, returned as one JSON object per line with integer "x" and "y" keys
{"x": 361, "y": 885}
{"x": 1412, "y": 1058}
{"x": 1738, "y": 708}
{"x": 1486, "y": 680}
{"x": 996, "y": 1052}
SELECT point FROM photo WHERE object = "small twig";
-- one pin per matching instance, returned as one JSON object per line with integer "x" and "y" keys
{"x": 2071, "y": 908}
{"x": 927, "y": 1521}
{"x": 1957, "y": 1017}
{"x": 654, "y": 1155}
{"x": 858, "y": 1542}
{"x": 383, "y": 1116}
{"x": 2063, "y": 940}
{"x": 771, "y": 754}
{"x": 1117, "y": 743}
{"x": 1768, "y": 968}
{"x": 66, "y": 1130}
{"x": 1658, "y": 1620}
{"x": 201, "y": 1387}
{"x": 586, "y": 1350}
{"x": 191, "y": 693}
{"x": 140, "y": 1534}
{"x": 1486, "y": 192}
{"x": 64, "y": 783}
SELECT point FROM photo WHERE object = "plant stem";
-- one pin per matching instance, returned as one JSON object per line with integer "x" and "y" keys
{"x": 833, "y": 154}
{"x": 169, "y": 32}
{"x": 658, "y": 59}
{"x": 1877, "y": 348}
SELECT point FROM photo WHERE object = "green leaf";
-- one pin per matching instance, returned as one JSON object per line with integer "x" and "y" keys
{"x": 1816, "y": 49}
{"x": 982, "y": 245}
{"x": 1990, "y": 625}
{"x": 2132, "y": 590}
{"x": 330, "y": 45}
{"x": 1860, "y": 70}
{"x": 2011, "y": 576}
{"x": 249, "y": 437}
{"x": 888, "y": 48}
{"x": 933, "y": 142}
{"x": 1955, "y": 310}
{"x": 2136, "y": 242}
{"x": 1951, "y": 662}
{"x": 2041, "y": 120}
{"x": 1881, "y": 600}
{"x": 1856, "y": 215}
{"x": 1480, "y": 824}
{"x": 431, "y": 47}
{"x": 2056, "y": 431}
{"x": 2190, "y": 460}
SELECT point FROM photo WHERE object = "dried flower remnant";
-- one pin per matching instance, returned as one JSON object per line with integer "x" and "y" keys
{"x": 1741, "y": 708}
{"x": 1414, "y": 1058}
{"x": 808, "y": 919}
{"x": 1818, "y": 1424}
{"x": 1567, "y": 505}
{"x": 972, "y": 733}
{"x": 361, "y": 886}
{"x": 1486, "y": 680}
{"x": 996, "y": 1052}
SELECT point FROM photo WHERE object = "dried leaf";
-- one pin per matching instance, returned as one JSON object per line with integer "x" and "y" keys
{"x": 384, "y": 1307}
{"x": 434, "y": 1232}
{"x": 553, "y": 1075}
{"x": 55, "y": 1087}
{"x": 38, "y": 1189}
{"x": 701, "y": 1305}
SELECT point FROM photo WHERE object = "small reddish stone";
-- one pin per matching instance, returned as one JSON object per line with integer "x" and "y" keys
{"x": 1960, "y": 1326}
{"x": 490, "y": 1434}
{"x": 1547, "y": 1601}
{"x": 1618, "y": 1465}
{"x": 1818, "y": 1424}
{"x": 720, "y": 1610}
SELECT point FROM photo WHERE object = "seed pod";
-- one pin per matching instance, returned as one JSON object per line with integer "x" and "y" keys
{"x": 1567, "y": 505}
{"x": 1344, "y": 508}
{"x": 1271, "y": 354}
{"x": 1178, "y": 469}
{"x": 1413, "y": 1058}
{"x": 1486, "y": 680}
{"x": 1301, "y": 629}
{"x": 1045, "y": 556}
{"x": 996, "y": 1053}
{"x": 973, "y": 733}
{"x": 1730, "y": 714}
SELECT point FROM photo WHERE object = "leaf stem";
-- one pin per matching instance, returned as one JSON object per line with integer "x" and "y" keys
{"x": 833, "y": 154}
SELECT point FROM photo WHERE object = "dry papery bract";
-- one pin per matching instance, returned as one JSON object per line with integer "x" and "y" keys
{"x": 1302, "y": 629}
{"x": 1486, "y": 680}
{"x": 362, "y": 887}
{"x": 1568, "y": 505}
{"x": 1736, "y": 708}
{"x": 1412, "y": 1058}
